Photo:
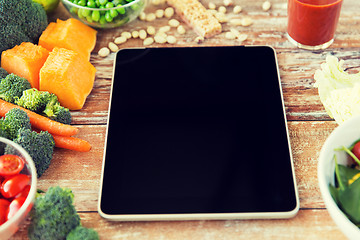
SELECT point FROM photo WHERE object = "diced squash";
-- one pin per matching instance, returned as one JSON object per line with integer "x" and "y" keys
{"x": 70, "y": 34}
{"x": 25, "y": 60}
{"x": 69, "y": 76}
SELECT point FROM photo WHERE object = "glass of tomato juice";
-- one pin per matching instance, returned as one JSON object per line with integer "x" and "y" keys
{"x": 312, "y": 23}
{"x": 18, "y": 182}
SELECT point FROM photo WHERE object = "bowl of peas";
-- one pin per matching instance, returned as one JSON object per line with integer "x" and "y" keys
{"x": 105, "y": 13}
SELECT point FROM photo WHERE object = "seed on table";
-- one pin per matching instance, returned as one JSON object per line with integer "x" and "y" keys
{"x": 150, "y": 17}
{"x": 150, "y": 30}
{"x": 159, "y": 13}
{"x": 228, "y": 2}
{"x": 155, "y": 2}
{"x": 159, "y": 39}
{"x": 169, "y": 12}
{"x": 222, "y": 9}
{"x": 199, "y": 39}
{"x": 242, "y": 37}
{"x": 103, "y": 52}
{"x": 142, "y": 34}
{"x": 148, "y": 41}
{"x": 126, "y": 34}
{"x": 221, "y": 17}
{"x": 246, "y": 21}
{"x": 235, "y": 32}
{"x": 135, "y": 34}
{"x": 164, "y": 29}
{"x": 230, "y": 35}
{"x": 236, "y": 22}
{"x": 171, "y": 39}
{"x": 142, "y": 16}
{"x": 162, "y": 34}
{"x": 237, "y": 9}
{"x": 266, "y": 6}
{"x": 174, "y": 23}
{"x": 212, "y": 6}
{"x": 120, "y": 40}
{"x": 113, "y": 47}
{"x": 181, "y": 30}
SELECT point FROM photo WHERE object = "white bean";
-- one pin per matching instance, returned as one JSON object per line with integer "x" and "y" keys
{"x": 230, "y": 35}
{"x": 174, "y": 23}
{"x": 212, "y": 6}
{"x": 164, "y": 29}
{"x": 120, "y": 40}
{"x": 113, "y": 47}
{"x": 150, "y": 17}
{"x": 103, "y": 52}
{"x": 148, "y": 41}
{"x": 142, "y": 16}
{"x": 159, "y": 39}
{"x": 246, "y": 21}
{"x": 169, "y": 12}
{"x": 142, "y": 34}
{"x": 135, "y": 34}
{"x": 159, "y": 13}
{"x": 151, "y": 30}
{"x": 222, "y": 9}
{"x": 266, "y": 6}
{"x": 181, "y": 29}
{"x": 171, "y": 39}
{"x": 126, "y": 34}
{"x": 199, "y": 39}
{"x": 228, "y": 2}
{"x": 237, "y": 9}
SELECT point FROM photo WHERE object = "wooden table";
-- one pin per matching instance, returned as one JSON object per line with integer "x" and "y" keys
{"x": 308, "y": 123}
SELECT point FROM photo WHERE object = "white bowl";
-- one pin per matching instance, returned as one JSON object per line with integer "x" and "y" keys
{"x": 344, "y": 135}
{"x": 11, "y": 226}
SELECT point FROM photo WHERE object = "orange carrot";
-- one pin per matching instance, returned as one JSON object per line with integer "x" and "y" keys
{"x": 72, "y": 143}
{"x": 41, "y": 122}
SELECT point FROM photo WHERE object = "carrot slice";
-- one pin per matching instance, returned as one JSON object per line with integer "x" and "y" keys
{"x": 41, "y": 122}
{"x": 72, "y": 143}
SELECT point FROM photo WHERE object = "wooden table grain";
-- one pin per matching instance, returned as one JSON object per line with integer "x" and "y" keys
{"x": 309, "y": 126}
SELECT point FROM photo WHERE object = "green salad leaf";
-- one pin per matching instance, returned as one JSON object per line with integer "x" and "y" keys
{"x": 338, "y": 90}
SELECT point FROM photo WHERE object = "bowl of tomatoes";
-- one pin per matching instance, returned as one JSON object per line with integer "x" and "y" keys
{"x": 18, "y": 180}
{"x": 339, "y": 176}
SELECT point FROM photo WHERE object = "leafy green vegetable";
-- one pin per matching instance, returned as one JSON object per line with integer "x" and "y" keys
{"x": 81, "y": 233}
{"x": 12, "y": 87}
{"x": 339, "y": 91}
{"x": 15, "y": 119}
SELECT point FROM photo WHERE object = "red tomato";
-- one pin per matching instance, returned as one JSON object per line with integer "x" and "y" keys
{"x": 24, "y": 193}
{"x": 4, "y": 205}
{"x": 14, "y": 206}
{"x": 14, "y": 185}
{"x": 10, "y": 164}
{"x": 356, "y": 150}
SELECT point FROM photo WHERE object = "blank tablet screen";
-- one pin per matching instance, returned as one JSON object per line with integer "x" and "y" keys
{"x": 197, "y": 130}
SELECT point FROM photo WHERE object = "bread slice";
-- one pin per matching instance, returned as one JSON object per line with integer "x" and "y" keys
{"x": 195, "y": 14}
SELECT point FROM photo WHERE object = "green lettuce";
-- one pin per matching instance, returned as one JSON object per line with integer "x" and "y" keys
{"x": 338, "y": 90}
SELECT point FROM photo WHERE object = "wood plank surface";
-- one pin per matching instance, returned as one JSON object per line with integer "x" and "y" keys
{"x": 309, "y": 126}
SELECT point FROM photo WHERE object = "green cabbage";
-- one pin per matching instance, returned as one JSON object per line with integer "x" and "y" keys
{"x": 339, "y": 91}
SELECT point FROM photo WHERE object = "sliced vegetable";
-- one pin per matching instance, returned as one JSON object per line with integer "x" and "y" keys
{"x": 41, "y": 122}
{"x": 10, "y": 164}
{"x": 14, "y": 207}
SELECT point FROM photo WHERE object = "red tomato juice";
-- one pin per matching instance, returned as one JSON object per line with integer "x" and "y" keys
{"x": 313, "y": 22}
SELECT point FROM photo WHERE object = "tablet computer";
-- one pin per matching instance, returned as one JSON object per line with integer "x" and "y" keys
{"x": 197, "y": 133}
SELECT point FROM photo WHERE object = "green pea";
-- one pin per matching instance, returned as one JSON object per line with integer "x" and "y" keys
{"x": 113, "y": 13}
{"x": 134, "y": 6}
{"x": 95, "y": 16}
{"x": 116, "y": 2}
{"x": 109, "y": 5}
{"x": 89, "y": 19}
{"x": 108, "y": 17}
{"x": 103, "y": 2}
{"x": 102, "y": 19}
{"x": 82, "y": 2}
{"x": 97, "y": 3}
{"x": 91, "y": 4}
{"x": 121, "y": 10}
{"x": 86, "y": 12}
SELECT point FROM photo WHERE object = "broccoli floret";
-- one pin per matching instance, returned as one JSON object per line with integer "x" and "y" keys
{"x": 81, "y": 233}
{"x": 14, "y": 120}
{"x": 20, "y": 21}
{"x": 12, "y": 87}
{"x": 34, "y": 100}
{"x": 40, "y": 146}
{"x": 3, "y": 73}
{"x": 53, "y": 215}
{"x": 44, "y": 103}
{"x": 58, "y": 113}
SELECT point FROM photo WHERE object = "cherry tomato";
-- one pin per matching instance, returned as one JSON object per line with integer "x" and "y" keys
{"x": 356, "y": 150}
{"x": 14, "y": 206}
{"x": 24, "y": 192}
{"x": 10, "y": 164}
{"x": 4, "y": 205}
{"x": 14, "y": 185}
